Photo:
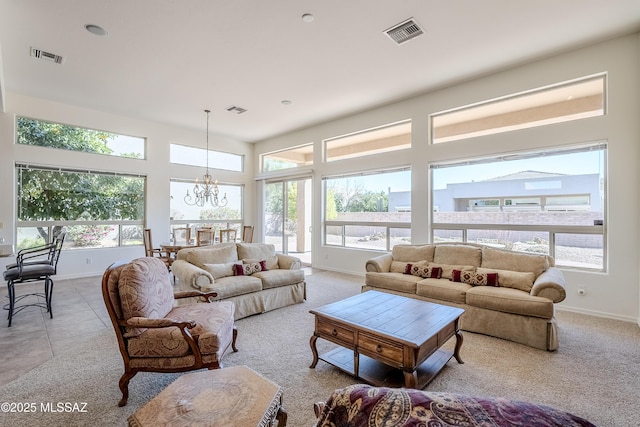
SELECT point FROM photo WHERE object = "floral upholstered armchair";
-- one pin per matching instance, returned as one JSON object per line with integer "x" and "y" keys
{"x": 153, "y": 334}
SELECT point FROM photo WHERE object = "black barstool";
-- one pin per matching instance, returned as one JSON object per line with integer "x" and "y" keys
{"x": 33, "y": 265}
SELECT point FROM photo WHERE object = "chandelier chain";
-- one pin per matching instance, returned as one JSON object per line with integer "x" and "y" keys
{"x": 207, "y": 191}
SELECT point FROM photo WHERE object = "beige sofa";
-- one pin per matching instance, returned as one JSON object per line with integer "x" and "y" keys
{"x": 267, "y": 281}
{"x": 520, "y": 308}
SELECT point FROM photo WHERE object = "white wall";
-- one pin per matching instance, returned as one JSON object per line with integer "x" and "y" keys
{"x": 612, "y": 294}
{"x": 156, "y": 167}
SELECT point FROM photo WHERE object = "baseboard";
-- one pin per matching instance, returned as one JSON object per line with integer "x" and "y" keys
{"x": 337, "y": 270}
{"x": 601, "y": 314}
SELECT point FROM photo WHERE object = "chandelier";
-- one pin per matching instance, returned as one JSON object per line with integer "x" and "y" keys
{"x": 206, "y": 191}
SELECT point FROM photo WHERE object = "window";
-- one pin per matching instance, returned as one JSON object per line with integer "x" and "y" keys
{"x": 548, "y": 202}
{"x": 97, "y": 209}
{"x": 368, "y": 210}
{"x": 229, "y": 216}
{"x": 290, "y": 158}
{"x": 560, "y": 103}
{"x": 387, "y": 138}
{"x": 65, "y": 137}
{"x": 193, "y": 156}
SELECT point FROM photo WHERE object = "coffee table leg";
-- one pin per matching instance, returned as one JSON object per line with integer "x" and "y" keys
{"x": 356, "y": 364}
{"x": 314, "y": 350}
{"x": 281, "y": 417}
{"x": 456, "y": 352}
{"x": 410, "y": 379}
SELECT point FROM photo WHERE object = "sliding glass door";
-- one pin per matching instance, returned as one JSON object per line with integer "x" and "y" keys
{"x": 287, "y": 217}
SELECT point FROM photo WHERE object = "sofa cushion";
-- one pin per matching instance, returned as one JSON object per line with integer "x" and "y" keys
{"x": 278, "y": 277}
{"x": 161, "y": 342}
{"x": 218, "y": 254}
{"x": 474, "y": 278}
{"x": 512, "y": 279}
{"x": 258, "y": 251}
{"x": 514, "y": 261}
{"x": 271, "y": 263}
{"x": 412, "y": 253}
{"x": 447, "y": 269}
{"x": 393, "y": 281}
{"x": 398, "y": 267}
{"x": 145, "y": 291}
{"x": 231, "y": 286}
{"x": 510, "y": 300}
{"x": 458, "y": 255}
{"x": 443, "y": 289}
{"x": 219, "y": 271}
{"x": 213, "y": 327}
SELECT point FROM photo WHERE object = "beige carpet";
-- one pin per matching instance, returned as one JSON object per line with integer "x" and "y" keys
{"x": 595, "y": 374}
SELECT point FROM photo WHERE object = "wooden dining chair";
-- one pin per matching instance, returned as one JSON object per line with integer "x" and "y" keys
{"x": 150, "y": 251}
{"x": 228, "y": 235}
{"x": 247, "y": 233}
{"x": 182, "y": 235}
{"x": 204, "y": 237}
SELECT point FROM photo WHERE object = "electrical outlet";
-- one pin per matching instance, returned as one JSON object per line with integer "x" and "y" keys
{"x": 88, "y": 260}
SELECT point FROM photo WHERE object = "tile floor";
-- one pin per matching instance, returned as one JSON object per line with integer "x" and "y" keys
{"x": 33, "y": 338}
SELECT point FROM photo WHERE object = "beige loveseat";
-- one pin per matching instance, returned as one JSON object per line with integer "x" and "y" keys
{"x": 251, "y": 275}
{"x": 520, "y": 308}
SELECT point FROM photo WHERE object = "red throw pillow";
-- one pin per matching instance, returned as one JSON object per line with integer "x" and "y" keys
{"x": 475, "y": 279}
{"x": 423, "y": 270}
{"x": 249, "y": 268}
{"x": 238, "y": 270}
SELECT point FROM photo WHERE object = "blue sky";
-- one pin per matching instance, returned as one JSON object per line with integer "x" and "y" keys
{"x": 587, "y": 162}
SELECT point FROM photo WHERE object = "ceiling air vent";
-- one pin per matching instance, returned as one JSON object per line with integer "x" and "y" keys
{"x": 404, "y": 31}
{"x": 48, "y": 56}
{"x": 237, "y": 110}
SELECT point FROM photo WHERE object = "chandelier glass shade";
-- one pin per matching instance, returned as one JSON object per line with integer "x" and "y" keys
{"x": 207, "y": 191}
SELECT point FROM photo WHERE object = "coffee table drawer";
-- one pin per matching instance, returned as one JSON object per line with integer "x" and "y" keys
{"x": 447, "y": 332}
{"x": 333, "y": 332}
{"x": 380, "y": 349}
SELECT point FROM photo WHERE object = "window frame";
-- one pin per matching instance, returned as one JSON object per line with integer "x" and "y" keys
{"x": 143, "y": 139}
{"x": 380, "y": 133}
{"x": 552, "y": 231}
{"x": 216, "y": 224}
{"x": 212, "y": 154}
{"x": 329, "y": 227}
{"x": 265, "y": 156}
{"x": 500, "y": 113}
{"x": 49, "y": 225}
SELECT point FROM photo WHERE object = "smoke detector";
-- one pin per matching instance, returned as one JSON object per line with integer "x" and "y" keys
{"x": 404, "y": 31}
{"x": 47, "y": 56}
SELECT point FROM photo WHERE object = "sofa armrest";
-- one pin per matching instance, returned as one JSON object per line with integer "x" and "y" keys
{"x": 190, "y": 274}
{"x": 379, "y": 264}
{"x": 550, "y": 284}
{"x": 288, "y": 262}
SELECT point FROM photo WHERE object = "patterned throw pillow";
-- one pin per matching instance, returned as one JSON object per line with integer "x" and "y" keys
{"x": 249, "y": 268}
{"x": 423, "y": 270}
{"x": 475, "y": 279}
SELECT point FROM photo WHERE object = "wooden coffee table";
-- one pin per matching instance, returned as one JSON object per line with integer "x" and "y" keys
{"x": 235, "y": 397}
{"x": 387, "y": 339}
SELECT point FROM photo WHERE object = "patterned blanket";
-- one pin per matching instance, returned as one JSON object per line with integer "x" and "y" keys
{"x": 365, "y": 406}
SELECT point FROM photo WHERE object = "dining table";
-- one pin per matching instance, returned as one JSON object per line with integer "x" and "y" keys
{"x": 172, "y": 248}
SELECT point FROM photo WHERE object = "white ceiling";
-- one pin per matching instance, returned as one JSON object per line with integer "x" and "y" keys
{"x": 167, "y": 60}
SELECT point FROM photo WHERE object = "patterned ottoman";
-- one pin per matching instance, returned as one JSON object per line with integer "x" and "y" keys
{"x": 365, "y": 406}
